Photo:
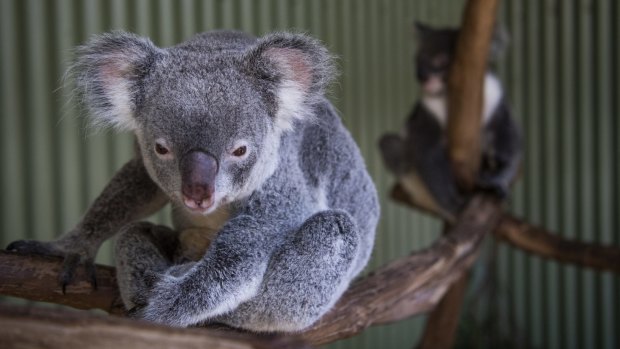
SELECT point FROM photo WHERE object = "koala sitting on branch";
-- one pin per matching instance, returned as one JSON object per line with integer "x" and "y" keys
{"x": 235, "y": 133}
{"x": 418, "y": 156}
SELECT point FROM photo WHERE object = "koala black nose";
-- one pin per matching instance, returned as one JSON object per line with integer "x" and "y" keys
{"x": 198, "y": 170}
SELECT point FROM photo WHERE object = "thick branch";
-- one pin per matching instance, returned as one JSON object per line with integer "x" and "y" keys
{"x": 33, "y": 327}
{"x": 36, "y": 278}
{"x": 403, "y": 288}
{"x": 465, "y": 109}
{"x": 465, "y": 85}
{"x": 442, "y": 324}
{"x": 538, "y": 240}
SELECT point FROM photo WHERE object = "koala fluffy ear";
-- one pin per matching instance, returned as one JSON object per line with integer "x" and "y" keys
{"x": 300, "y": 69}
{"x": 107, "y": 72}
{"x": 419, "y": 30}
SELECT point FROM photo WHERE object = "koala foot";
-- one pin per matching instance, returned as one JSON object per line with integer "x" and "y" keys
{"x": 70, "y": 263}
{"x": 144, "y": 251}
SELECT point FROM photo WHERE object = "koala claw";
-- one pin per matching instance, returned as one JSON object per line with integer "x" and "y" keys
{"x": 67, "y": 271}
{"x": 69, "y": 264}
{"x": 91, "y": 273}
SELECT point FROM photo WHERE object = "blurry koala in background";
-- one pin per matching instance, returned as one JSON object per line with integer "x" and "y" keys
{"x": 419, "y": 155}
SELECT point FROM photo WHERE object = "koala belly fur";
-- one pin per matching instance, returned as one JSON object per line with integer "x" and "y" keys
{"x": 196, "y": 232}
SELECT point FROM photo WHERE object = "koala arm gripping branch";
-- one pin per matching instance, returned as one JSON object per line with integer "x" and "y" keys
{"x": 130, "y": 195}
{"x": 501, "y": 159}
{"x": 230, "y": 273}
{"x": 430, "y": 159}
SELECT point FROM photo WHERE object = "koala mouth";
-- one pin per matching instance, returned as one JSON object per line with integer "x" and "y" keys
{"x": 434, "y": 86}
{"x": 201, "y": 206}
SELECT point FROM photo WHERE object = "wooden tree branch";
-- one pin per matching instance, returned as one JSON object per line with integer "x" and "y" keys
{"x": 466, "y": 89}
{"x": 403, "y": 288}
{"x": 35, "y": 327}
{"x": 465, "y": 97}
{"x": 442, "y": 324}
{"x": 544, "y": 243}
{"x": 538, "y": 240}
{"x": 36, "y": 278}
{"x": 399, "y": 194}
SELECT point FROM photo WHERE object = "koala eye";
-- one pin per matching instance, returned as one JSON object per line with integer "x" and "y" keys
{"x": 161, "y": 149}
{"x": 240, "y": 151}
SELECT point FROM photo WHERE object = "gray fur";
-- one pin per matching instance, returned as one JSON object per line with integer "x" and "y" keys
{"x": 302, "y": 208}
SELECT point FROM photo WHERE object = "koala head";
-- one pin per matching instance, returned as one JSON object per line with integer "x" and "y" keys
{"x": 208, "y": 113}
{"x": 435, "y": 52}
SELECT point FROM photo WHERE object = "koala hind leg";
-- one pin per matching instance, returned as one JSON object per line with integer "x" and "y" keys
{"x": 143, "y": 252}
{"x": 305, "y": 277}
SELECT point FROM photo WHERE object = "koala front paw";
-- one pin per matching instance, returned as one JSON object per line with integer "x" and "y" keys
{"x": 165, "y": 305}
{"x": 70, "y": 262}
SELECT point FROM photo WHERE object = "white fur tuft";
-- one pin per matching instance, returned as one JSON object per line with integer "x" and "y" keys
{"x": 438, "y": 105}
{"x": 291, "y": 105}
{"x": 120, "y": 116}
{"x": 303, "y": 69}
{"x": 492, "y": 96}
{"x": 322, "y": 202}
{"x": 105, "y": 71}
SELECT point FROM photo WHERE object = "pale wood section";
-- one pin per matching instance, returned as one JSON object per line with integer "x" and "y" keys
{"x": 442, "y": 324}
{"x": 465, "y": 86}
{"x": 22, "y": 327}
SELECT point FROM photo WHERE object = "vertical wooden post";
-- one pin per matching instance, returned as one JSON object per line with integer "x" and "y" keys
{"x": 465, "y": 86}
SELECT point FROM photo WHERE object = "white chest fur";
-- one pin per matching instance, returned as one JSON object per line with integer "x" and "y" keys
{"x": 211, "y": 223}
{"x": 438, "y": 106}
{"x": 198, "y": 231}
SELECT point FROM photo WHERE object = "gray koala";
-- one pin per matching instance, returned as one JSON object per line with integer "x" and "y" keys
{"x": 236, "y": 134}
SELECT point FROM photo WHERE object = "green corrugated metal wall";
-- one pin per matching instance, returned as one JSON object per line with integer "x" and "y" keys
{"x": 561, "y": 74}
